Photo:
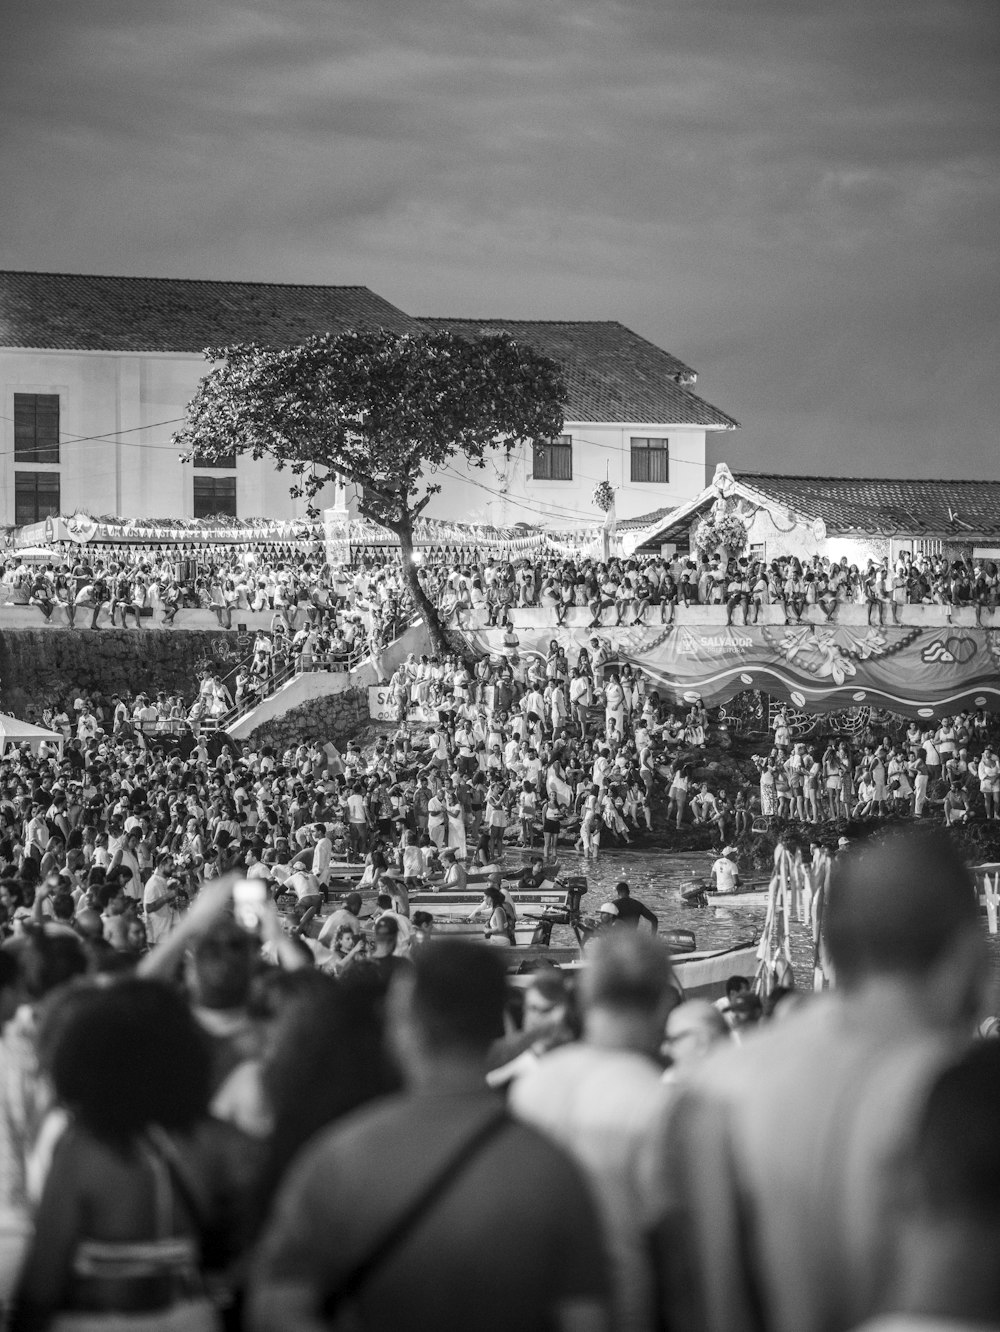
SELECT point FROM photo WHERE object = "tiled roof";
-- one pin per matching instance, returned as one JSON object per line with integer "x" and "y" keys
{"x": 93, "y": 313}
{"x": 888, "y": 506}
{"x": 643, "y": 519}
{"x": 612, "y": 373}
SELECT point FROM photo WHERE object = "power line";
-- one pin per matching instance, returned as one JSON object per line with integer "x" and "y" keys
{"x": 68, "y": 437}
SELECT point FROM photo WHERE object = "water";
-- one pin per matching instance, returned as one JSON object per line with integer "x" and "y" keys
{"x": 655, "y": 876}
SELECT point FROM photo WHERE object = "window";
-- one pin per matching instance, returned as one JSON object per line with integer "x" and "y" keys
{"x": 553, "y": 460}
{"x": 214, "y": 494}
{"x": 36, "y": 496}
{"x": 36, "y": 427}
{"x": 224, "y": 460}
{"x": 650, "y": 459}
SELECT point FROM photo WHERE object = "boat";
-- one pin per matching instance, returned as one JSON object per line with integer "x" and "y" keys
{"x": 700, "y": 973}
{"x": 347, "y": 871}
{"x": 752, "y": 897}
{"x": 431, "y": 899}
{"x": 528, "y": 934}
{"x": 699, "y": 893}
{"x": 565, "y": 893}
{"x": 703, "y": 974}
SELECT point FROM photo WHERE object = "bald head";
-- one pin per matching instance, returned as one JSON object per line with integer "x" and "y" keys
{"x": 897, "y": 905}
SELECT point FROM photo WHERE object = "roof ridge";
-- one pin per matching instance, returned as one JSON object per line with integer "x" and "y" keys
{"x": 215, "y": 282}
{"x": 475, "y": 319}
{"x": 861, "y": 480}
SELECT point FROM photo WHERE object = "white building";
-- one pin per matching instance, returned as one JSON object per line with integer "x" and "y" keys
{"x": 95, "y": 373}
{"x": 631, "y": 419}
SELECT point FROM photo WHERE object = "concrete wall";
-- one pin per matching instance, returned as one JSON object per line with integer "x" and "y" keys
{"x": 533, "y": 617}
{"x": 15, "y": 616}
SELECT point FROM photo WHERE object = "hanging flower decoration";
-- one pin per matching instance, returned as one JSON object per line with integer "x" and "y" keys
{"x": 604, "y": 495}
{"x": 727, "y": 530}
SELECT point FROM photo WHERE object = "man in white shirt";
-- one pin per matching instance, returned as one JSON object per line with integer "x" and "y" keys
{"x": 604, "y": 1101}
{"x": 725, "y": 872}
{"x": 322, "y": 855}
{"x": 159, "y": 899}
{"x": 844, "y": 1077}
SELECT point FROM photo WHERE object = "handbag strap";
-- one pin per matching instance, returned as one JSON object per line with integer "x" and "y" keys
{"x": 407, "y": 1220}
{"x": 163, "y": 1151}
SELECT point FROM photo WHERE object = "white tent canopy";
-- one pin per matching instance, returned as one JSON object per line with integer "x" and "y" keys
{"x": 14, "y": 733}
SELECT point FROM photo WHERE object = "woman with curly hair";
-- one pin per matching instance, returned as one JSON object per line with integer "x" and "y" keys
{"x": 141, "y": 1182}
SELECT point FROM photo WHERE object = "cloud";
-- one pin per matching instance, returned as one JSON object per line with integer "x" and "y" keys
{"x": 799, "y": 200}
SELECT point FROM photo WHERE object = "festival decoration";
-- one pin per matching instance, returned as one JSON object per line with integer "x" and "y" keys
{"x": 915, "y": 672}
{"x": 604, "y": 495}
{"x": 723, "y": 531}
{"x": 341, "y": 537}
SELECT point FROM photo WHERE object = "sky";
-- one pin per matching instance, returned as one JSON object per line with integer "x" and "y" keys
{"x": 800, "y": 200}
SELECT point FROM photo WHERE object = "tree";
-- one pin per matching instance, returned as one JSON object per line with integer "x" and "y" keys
{"x": 383, "y": 410}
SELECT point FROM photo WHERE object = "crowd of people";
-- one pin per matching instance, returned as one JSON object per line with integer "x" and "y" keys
{"x": 217, "y": 1114}
{"x": 218, "y": 1133}
{"x": 539, "y": 747}
{"x": 648, "y": 589}
{"x": 296, "y": 582}
{"x": 949, "y": 768}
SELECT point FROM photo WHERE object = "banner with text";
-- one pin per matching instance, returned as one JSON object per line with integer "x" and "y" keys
{"x": 918, "y": 672}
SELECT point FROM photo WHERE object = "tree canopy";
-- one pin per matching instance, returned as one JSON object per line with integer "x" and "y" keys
{"x": 383, "y": 410}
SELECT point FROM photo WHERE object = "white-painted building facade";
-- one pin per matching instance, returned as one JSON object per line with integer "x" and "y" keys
{"x": 95, "y": 373}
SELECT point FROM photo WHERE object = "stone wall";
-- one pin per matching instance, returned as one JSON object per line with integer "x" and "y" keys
{"x": 38, "y": 667}
{"x": 334, "y": 717}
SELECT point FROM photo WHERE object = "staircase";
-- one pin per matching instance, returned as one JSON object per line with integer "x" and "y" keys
{"x": 295, "y": 685}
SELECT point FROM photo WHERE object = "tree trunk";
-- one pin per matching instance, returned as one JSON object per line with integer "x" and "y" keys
{"x": 423, "y": 603}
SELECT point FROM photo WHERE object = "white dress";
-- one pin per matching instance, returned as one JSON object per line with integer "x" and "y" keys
{"x": 456, "y": 830}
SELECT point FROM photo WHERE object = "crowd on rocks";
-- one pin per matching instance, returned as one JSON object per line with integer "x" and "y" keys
{"x": 216, "y": 1133}
{"x": 540, "y": 747}
{"x": 949, "y": 768}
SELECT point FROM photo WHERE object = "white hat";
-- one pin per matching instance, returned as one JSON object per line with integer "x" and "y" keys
{"x": 730, "y": 851}
{"x": 608, "y": 909}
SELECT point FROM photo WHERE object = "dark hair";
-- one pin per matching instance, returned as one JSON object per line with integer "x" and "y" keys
{"x": 458, "y": 994}
{"x": 956, "y": 1161}
{"x": 106, "y": 892}
{"x": 628, "y": 971}
{"x": 98, "y": 1072}
{"x": 49, "y": 960}
{"x": 897, "y": 903}
{"x": 327, "y": 1061}
{"x": 550, "y": 984}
